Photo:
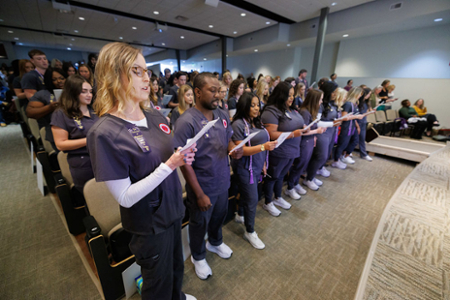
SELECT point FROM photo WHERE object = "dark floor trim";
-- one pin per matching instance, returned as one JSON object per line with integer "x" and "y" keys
{"x": 259, "y": 11}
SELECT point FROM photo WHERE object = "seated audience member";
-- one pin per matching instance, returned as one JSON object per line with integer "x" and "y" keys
{"x": 25, "y": 66}
{"x": 421, "y": 111}
{"x": 185, "y": 101}
{"x": 253, "y": 163}
{"x": 299, "y": 95}
{"x": 33, "y": 81}
{"x": 56, "y": 64}
{"x": 227, "y": 79}
{"x": 43, "y": 103}
{"x": 155, "y": 97}
{"x": 262, "y": 92}
{"x": 235, "y": 91}
{"x": 180, "y": 80}
{"x": 216, "y": 74}
{"x": 349, "y": 85}
{"x": 268, "y": 79}
{"x": 86, "y": 72}
{"x": 273, "y": 83}
{"x": 92, "y": 61}
{"x": 222, "y": 101}
{"x": 69, "y": 68}
{"x": 70, "y": 125}
{"x": 408, "y": 113}
{"x": 251, "y": 84}
{"x": 240, "y": 77}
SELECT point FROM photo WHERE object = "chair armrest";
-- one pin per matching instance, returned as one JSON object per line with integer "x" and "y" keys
{"x": 92, "y": 228}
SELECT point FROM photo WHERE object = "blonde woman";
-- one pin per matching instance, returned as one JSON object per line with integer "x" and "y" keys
{"x": 349, "y": 135}
{"x": 185, "y": 101}
{"x": 223, "y": 103}
{"x": 131, "y": 151}
{"x": 262, "y": 92}
{"x": 339, "y": 97}
{"x": 299, "y": 94}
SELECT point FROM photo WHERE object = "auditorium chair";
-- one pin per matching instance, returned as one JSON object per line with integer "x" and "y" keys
{"x": 373, "y": 123}
{"x": 391, "y": 116}
{"x": 44, "y": 159}
{"x": 72, "y": 201}
{"x": 106, "y": 239}
{"x": 380, "y": 115}
{"x": 34, "y": 129}
{"x": 23, "y": 120}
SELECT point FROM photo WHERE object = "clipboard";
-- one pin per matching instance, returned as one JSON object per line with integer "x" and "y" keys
{"x": 166, "y": 99}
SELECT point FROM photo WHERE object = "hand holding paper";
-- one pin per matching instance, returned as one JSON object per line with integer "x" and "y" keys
{"x": 241, "y": 144}
{"x": 190, "y": 142}
{"x": 312, "y": 123}
{"x": 282, "y": 137}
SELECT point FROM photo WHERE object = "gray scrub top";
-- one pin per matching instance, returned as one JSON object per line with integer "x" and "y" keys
{"x": 331, "y": 114}
{"x": 308, "y": 119}
{"x": 239, "y": 134}
{"x": 174, "y": 92}
{"x": 346, "y": 126}
{"x": 232, "y": 103}
{"x": 115, "y": 154}
{"x": 211, "y": 163}
{"x": 33, "y": 81}
{"x": 289, "y": 121}
{"x": 174, "y": 117}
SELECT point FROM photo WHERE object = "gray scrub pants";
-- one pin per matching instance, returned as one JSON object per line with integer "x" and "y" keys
{"x": 161, "y": 259}
{"x": 346, "y": 143}
{"x": 201, "y": 222}
{"x": 321, "y": 153}
{"x": 278, "y": 168}
{"x": 362, "y": 138}
{"x": 301, "y": 162}
{"x": 248, "y": 200}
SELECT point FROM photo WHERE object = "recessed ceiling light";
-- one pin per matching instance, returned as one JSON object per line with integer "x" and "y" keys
{"x": 181, "y": 37}
{"x": 81, "y": 18}
{"x": 243, "y": 14}
{"x": 227, "y": 55}
{"x": 70, "y": 44}
{"x": 120, "y": 38}
{"x": 10, "y": 31}
{"x": 73, "y": 39}
{"x": 438, "y": 20}
{"x": 345, "y": 35}
{"x": 156, "y": 12}
{"x": 16, "y": 38}
{"x": 69, "y": 48}
{"x": 163, "y": 44}
{"x": 210, "y": 26}
{"x": 234, "y": 32}
{"x": 76, "y": 31}
{"x": 134, "y": 28}
{"x": 267, "y": 22}
{"x": 184, "y": 61}
{"x": 256, "y": 50}
{"x": 1, "y": 20}
{"x": 20, "y": 44}
{"x": 204, "y": 58}
{"x": 288, "y": 45}
{"x": 333, "y": 4}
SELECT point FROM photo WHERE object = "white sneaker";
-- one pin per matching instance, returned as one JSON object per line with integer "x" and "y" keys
{"x": 254, "y": 240}
{"x": 238, "y": 218}
{"x": 282, "y": 203}
{"x": 190, "y": 297}
{"x": 339, "y": 164}
{"x": 222, "y": 250}
{"x": 299, "y": 189}
{"x": 272, "y": 209}
{"x": 351, "y": 155}
{"x": 317, "y": 182}
{"x": 310, "y": 185}
{"x": 292, "y": 193}
{"x": 367, "y": 157}
{"x": 202, "y": 268}
{"x": 323, "y": 172}
{"x": 347, "y": 160}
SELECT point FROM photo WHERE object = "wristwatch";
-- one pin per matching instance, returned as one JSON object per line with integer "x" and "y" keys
{"x": 262, "y": 148}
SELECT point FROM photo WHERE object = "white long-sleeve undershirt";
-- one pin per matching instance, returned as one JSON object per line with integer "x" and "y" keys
{"x": 127, "y": 193}
{"x": 324, "y": 123}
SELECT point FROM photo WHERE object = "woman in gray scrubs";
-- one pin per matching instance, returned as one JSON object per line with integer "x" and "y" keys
{"x": 131, "y": 151}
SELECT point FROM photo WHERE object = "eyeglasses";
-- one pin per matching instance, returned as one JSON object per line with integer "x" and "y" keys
{"x": 139, "y": 71}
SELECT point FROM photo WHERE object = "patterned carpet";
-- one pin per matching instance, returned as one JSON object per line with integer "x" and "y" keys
{"x": 411, "y": 253}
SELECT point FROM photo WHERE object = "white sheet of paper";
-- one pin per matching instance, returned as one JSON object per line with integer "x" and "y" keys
{"x": 281, "y": 138}
{"x": 241, "y": 144}
{"x": 190, "y": 142}
{"x": 349, "y": 114}
{"x": 312, "y": 123}
{"x": 128, "y": 277}
{"x": 312, "y": 85}
{"x": 375, "y": 108}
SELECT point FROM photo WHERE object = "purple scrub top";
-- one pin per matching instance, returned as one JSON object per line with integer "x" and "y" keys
{"x": 115, "y": 154}
{"x": 289, "y": 121}
{"x": 211, "y": 163}
{"x": 308, "y": 119}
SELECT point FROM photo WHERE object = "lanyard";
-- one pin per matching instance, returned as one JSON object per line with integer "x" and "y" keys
{"x": 138, "y": 137}
{"x": 250, "y": 168}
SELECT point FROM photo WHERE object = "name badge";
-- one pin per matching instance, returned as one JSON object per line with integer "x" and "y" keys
{"x": 204, "y": 122}
{"x": 288, "y": 115}
{"x": 138, "y": 137}
{"x": 78, "y": 124}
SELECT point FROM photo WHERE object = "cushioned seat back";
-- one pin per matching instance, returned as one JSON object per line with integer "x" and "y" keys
{"x": 380, "y": 115}
{"x": 47, "y": 145}
{"x": 102, "y": 205}
{"x": 64, "y": 167}
{"x": 34, "y": 128}
{"x": 371, "y": 119}
{"x": 390, "y": 115}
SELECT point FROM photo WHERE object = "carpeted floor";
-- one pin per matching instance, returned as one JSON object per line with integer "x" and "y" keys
{"x": 316, "y": 250}
{"x": 37, "y": 257}
{"x": 412, "y": 246}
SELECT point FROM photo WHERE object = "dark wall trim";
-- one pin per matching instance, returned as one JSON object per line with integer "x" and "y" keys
{"x": 259, "y": 11}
